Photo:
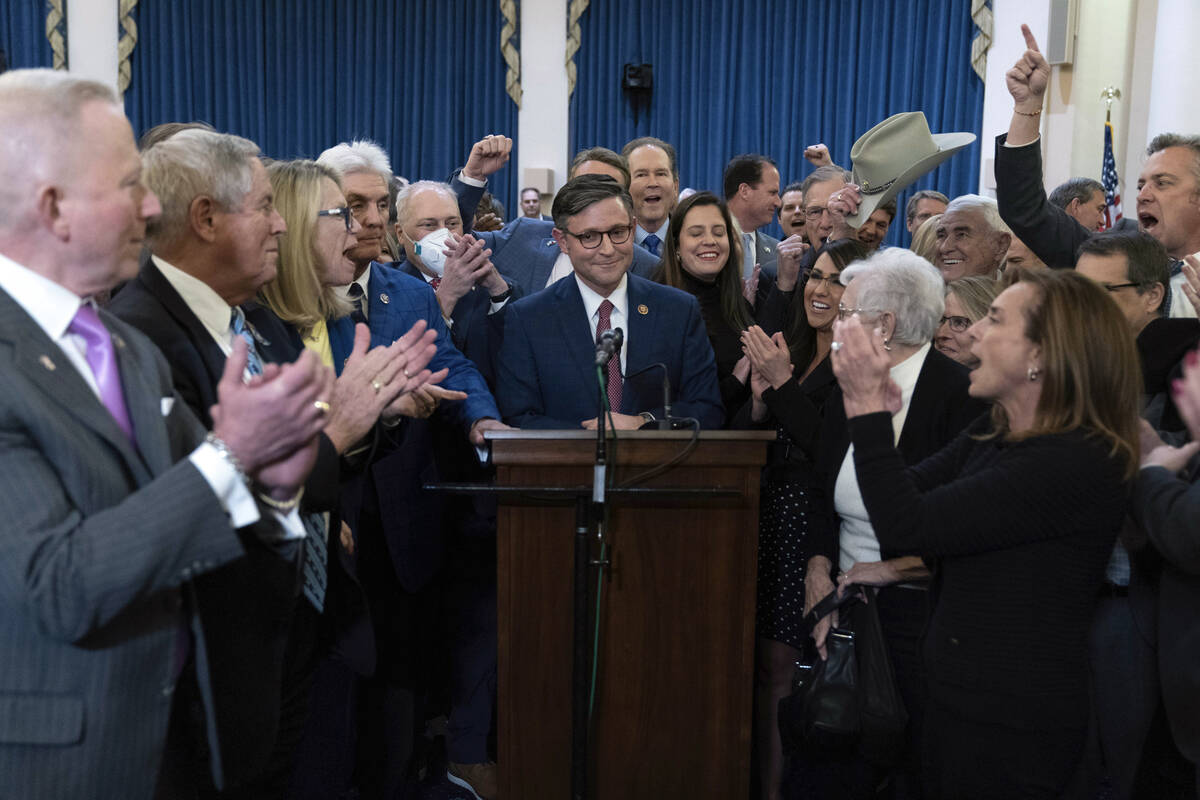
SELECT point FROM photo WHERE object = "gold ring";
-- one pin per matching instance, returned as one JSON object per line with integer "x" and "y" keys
{"x": 321, "y": 405}
{"x": 376, "y": 385}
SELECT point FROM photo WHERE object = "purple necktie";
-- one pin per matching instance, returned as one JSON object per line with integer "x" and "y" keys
{"x": 103, "y": 361}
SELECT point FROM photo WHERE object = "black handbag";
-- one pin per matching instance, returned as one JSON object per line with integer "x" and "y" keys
{"x": 848, "y": 700}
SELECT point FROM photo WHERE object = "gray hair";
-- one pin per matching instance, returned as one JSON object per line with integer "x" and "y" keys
{"x": 900, "y": 281}
{"x": 361, "y": 155}
{"x": 829, "y": 172}
{"x": 1080, "y": 189}
{"x": 406, "y": 194}
{"x": 984, "y": 205}
{"x": 39, "y": 115}
{"x": 191, "y": 164}
{"x": 910, "y": 210}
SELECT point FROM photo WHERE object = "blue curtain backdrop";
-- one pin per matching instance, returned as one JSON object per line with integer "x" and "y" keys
{"x": 737, "y": 76}
{"x": 424, "y": 78}
{"x": 23, "y": 33}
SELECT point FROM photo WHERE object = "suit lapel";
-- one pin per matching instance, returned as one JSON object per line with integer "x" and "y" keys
{"x": 575, "y": 330}
{"x": 43, "y": 362}
{"x": 379, "y": 298}
{"x": 143, "y": 400}
{"x": 546, "y": 254}
{"x": 643, "y": 333}
{"x": 211, "y": 354}
{"x": 927, "y": 395}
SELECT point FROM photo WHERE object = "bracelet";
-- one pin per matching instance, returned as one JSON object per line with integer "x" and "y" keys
{"x": 500, "y": 298}
{"x": 1037, "y": 113}
{"x": 283, "y": 506}
{"x": 228, "y": 455}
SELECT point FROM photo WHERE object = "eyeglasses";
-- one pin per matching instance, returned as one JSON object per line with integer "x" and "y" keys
{"x": 591, "y": 239}
{"x": 815, "y": 276}
{"x": 341, "y": 211}
{"x": 845, "y": 313}
{"x": 813, "y": 213}
{"x": 957, "y": 324}
{"x": 1112, "y": 287}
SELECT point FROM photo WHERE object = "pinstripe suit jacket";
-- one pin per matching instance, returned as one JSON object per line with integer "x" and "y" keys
{"x": 98, "y": 540}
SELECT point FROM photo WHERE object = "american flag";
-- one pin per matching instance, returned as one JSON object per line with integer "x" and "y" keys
{"x": 1108, "y": 177}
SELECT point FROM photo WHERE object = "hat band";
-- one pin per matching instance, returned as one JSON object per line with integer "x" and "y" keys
{"x": 876, "y": 189}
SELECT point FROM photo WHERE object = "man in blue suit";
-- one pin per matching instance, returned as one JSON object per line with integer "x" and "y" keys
{"x": 525, "y": 249}
{"x": 398, "y": 524}
{"x": 545, "y": 375}
{"x": 112, "y": 498}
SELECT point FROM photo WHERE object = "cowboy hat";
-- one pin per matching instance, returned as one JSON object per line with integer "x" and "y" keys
{"x": 894, "y": 154}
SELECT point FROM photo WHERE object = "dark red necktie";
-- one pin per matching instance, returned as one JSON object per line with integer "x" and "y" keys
{"x": 436, "y": 282}
{"x": 614, "y": 363}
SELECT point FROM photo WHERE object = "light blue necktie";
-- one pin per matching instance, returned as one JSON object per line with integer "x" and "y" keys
{"x": 747, "y": 256}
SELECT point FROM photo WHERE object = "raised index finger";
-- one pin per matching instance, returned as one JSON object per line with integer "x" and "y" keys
{"x": 1030, "y": 42}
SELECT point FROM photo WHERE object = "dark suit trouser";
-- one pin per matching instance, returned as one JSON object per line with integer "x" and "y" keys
{"x": 471, "y": 619}
{"x": 1125, "y": 694}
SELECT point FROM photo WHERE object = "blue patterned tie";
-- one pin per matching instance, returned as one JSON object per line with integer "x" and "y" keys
{"x": 652, "y": 243}
{"x": 315, "y": 548}
{"x": 240, "y": 327}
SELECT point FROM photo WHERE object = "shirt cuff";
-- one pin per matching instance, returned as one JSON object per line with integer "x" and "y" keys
{"x": 233, "y": 494}
{"x": 290, "y": 524}
{"x": 1037, "y": 139}
{"x": 471, "y": 181}
{"x": 494, "y": 306}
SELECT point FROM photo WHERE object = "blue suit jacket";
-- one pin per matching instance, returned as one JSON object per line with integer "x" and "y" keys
{"x": 545, "y": 376}
{"x": 525, "y": 249}
{"x": 395, "y": 302}
{"x": 476, "y": 332}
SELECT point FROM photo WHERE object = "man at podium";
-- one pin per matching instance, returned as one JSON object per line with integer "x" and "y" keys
{"x": 546, "y": 375}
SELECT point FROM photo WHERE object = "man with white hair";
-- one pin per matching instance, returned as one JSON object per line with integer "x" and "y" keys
{"x": 114, "y": 501}
{"x": 399, "y": 525}
{"x": 971, "y": 238}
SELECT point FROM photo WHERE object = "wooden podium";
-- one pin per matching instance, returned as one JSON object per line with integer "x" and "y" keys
{"x": 675, "y": 652}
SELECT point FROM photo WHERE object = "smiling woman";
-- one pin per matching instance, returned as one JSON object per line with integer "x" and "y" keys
{"x": 703, "y": 258}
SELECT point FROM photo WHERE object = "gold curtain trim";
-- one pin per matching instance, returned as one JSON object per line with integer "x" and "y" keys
{"x": 55, "y": 20}
{"x": 512, "y": 79}
{"x": 982, "y": 16}
{"x": 126, "y": 42}
{"x": 574, "y": 12}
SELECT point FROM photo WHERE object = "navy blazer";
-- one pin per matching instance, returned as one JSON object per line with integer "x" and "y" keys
{"x": 526, "y": 250}
{"x": 395, "y": 301}
{"x": 246, "y": 707}
{"x": 545, "y": 377}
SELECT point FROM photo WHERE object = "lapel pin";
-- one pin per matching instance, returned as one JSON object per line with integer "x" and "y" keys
{"x": 47, "y": 363}
{"x": 117, "y": 341}
{"x": 383, "y": 298}
{"x": 643, "y": 309}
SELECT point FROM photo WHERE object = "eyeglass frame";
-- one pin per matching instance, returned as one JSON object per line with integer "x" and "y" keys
{"x": 843, "y": 313}
{"x": 814, "y": 214}
{"x": 600, "y": 236}
{"x": 829, "y": 280}
{"x": 341, "y": 211}
{"x": 1117, "y": 286}
{"x": 966, "y": 322}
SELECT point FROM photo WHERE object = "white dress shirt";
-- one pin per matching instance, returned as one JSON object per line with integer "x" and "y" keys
{"x": 52, "y": 307}
{"x": 619, "y": 316}
{"x": 856, "y": 537}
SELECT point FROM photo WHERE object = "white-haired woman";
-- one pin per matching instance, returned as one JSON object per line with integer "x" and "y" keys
{"x": 900, "y": 296}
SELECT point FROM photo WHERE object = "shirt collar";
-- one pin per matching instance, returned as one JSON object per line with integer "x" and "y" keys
{"x": 640, "y": 233}
{"x": 208, "y": 306}
{"x": 51, "y": 305}
{"x": 905, "y": 373}
{"x": 591, "y": 300}
{"x": 362, "y": 280}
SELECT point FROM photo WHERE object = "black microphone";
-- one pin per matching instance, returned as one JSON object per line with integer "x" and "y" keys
{"x": 610, "y": 342}
{"x": 665, "y": 423}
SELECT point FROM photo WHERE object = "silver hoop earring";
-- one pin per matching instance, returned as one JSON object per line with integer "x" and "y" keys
{"x": 1033, "y": 373}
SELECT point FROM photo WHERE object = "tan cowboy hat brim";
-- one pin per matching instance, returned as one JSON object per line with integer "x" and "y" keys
{"x": 948, "y": 144}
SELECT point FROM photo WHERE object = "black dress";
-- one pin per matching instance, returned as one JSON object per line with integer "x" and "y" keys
{"x": 783, "y": 506}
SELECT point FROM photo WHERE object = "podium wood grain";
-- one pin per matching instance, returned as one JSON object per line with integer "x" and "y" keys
{"x": 673, "y": 701}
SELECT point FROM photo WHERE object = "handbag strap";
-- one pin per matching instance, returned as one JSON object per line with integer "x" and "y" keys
{"x": 826, "y": 606}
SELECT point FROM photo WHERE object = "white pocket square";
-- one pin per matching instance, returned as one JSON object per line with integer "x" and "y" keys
{"x": 167, "y": 404}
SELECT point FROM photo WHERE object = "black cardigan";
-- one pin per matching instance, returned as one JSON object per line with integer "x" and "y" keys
{"x": 1022, "y": 532}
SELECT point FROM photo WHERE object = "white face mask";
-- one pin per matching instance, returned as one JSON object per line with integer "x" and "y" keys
{"x": 429, "y": 249}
